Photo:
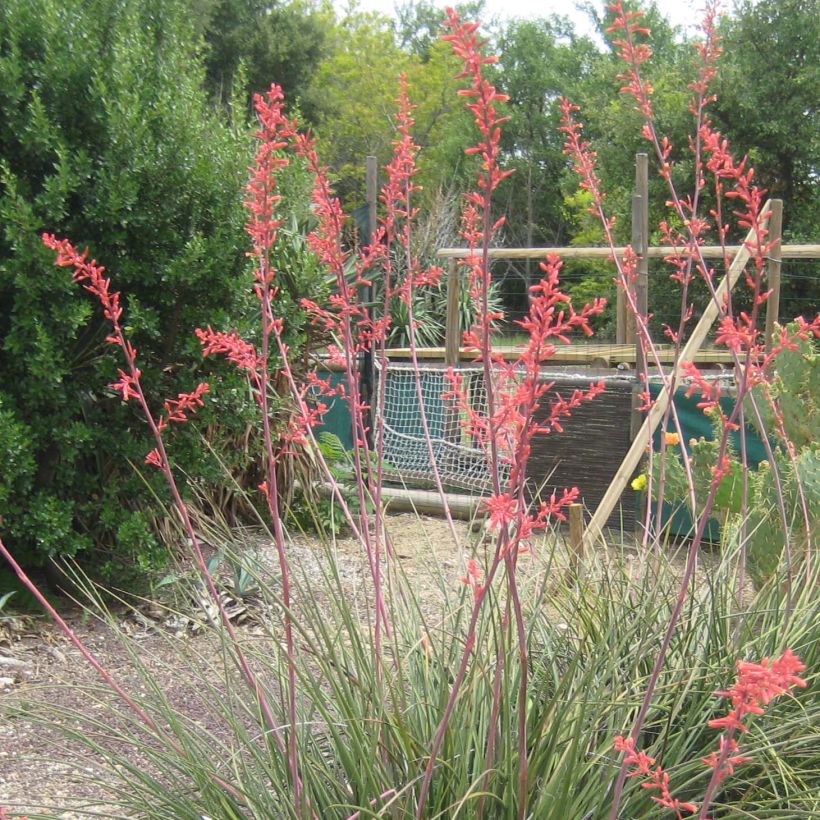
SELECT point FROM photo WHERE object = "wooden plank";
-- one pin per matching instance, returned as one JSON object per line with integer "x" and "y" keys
{"x": 576, "y": 535}
{"x": 773, "y": 270}
{"x": 570, "y": 354}
{"x": 425, "y": 502}
{"x": 633, "y": 457}
{"x": 657, "y": 252}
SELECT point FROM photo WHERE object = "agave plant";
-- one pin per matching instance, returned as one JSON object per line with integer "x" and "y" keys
{"x": 428, "y": 317}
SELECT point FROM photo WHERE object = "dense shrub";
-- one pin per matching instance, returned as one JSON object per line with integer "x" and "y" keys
{"x": 106, "y": 135}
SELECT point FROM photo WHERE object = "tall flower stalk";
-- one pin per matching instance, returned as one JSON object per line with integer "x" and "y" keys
{"x": 514, "y": 393}
{"x": 91, "y": 276}
{"x": 738, "y": 333}
{"x": 262, "y": 200}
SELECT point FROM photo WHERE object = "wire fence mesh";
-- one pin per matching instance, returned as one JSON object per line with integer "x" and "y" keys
{"x": 584, "y": 280}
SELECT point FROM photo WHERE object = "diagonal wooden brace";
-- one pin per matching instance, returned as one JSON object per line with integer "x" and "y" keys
{"x": 594, "y": 530}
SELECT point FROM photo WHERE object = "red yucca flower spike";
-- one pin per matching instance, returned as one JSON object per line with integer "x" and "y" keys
{"x": 92, "y": 277}
{"x": 757, "y": 685}
{"x": 468, "y": 46}
{"x": 634, "y": 54}
{"x": 89, "y": 274}
{"x": 656, "y": 776}
{"x": 275, "y": 131}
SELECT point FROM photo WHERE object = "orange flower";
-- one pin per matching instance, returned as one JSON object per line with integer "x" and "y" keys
{"x": 672, "y": 439}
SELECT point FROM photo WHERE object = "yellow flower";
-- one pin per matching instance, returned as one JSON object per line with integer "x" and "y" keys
{"x": 672, "y": 439}
{"x": 639, "y": 484}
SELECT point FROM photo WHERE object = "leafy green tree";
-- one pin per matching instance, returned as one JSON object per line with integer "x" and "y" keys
{"x": 771, "y": 107}
{"x": 614, "y": 126}
{"x": 419, "y": 23}
{"x": 768, "y": 104}
{"x": 541, "y": 61}
{"x": 253, "y": 43}
{"x": 352, "y": 95}
{"x": 354, "y": 99}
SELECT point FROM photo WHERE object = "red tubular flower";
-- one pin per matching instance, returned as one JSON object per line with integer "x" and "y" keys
{"x": 502, "y": 509}
{"x": 634, "y": 54}
{"x": 657, "y": 777}
{"x": 262, "y": 199}
{"x": 186, "y": 403}
{"x": 93, "y": 279}
{"x": 127, "y": 385}
{"x": 756, "y": 686}
{"x": 89, "y": 274}
{"x": 473, "y": 578}
{"x": 468, "y": 47}
{"x": 232, "y": 346}
{"x": 154, "y": 459}
{"x": 725, "y": 760}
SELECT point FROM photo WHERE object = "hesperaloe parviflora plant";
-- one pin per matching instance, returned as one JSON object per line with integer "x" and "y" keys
{"x": 687, "y": 229}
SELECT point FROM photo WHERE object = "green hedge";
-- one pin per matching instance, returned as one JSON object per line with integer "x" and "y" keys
{"x": 107, "y": 137}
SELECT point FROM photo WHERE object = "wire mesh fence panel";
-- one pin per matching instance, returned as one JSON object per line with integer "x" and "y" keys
{"x": 586, "y": 454}
{"x": 458, "y": 457}
{"x": 799, "y": 288}
{"x": 584, "y": 280}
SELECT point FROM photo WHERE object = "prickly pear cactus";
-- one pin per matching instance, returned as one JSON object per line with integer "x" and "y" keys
{"x": 796, "y": 390}
{"x": 767, "y": 539}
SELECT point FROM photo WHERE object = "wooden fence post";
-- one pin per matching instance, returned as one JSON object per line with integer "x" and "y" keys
{"x": 452, "y": 328}
{"x": 640, "y": 244}
{"x": 452, "y": 346}
{"x": 642, "y": 248}
{"x": 576, "y": 535}
{"x": 620, "y": 316}
{"x": 372, "y": 182}
{"x": 773, "y": 269}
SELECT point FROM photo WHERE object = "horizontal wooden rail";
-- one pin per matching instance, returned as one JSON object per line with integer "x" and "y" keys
{"x": 658, "y": 252}
{"x": 578, "y": 353}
